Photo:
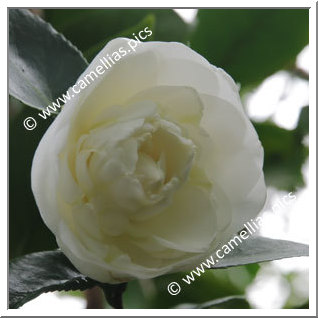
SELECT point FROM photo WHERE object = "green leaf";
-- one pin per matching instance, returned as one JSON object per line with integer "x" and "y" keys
{"x": 260, "y": 249}
{"x": 87, "y": 28}
{"x": 230, "y": 302}
{"x": 42, "y": 63}
{"x": 37, "y": 273}
{"x": 251, "y": 44}
{"x": 27, "y": 231}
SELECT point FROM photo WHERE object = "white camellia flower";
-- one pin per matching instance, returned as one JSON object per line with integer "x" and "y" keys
{"x": 151, "y": 167}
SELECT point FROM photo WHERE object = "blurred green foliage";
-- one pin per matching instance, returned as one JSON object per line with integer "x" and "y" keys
{"x": 148, "y": 21}
{"x": 250, "y": 45}
{"x": 285, "y": 152}
{"x": 212, "y": 285}
{"x": 87, "y": 27}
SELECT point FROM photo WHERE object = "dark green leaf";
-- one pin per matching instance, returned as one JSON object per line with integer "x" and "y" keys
{"x": 87, "y": 28}
{"x": 230, "y": 302}
{"x": 42, "y": 63}
{"x": 251, "y": 44}
{"x": 27, "y": 232}
{"x": 260, "y": 249}
{"x": 37, "y": 273}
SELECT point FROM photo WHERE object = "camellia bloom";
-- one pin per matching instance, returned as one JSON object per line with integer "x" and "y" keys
{"x": 151, "y": 168}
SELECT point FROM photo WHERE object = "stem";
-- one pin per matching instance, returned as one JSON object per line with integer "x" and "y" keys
{"x": 94, "y": 298}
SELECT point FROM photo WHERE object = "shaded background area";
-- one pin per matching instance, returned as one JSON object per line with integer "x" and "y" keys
{"x": 266, "y": 52}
